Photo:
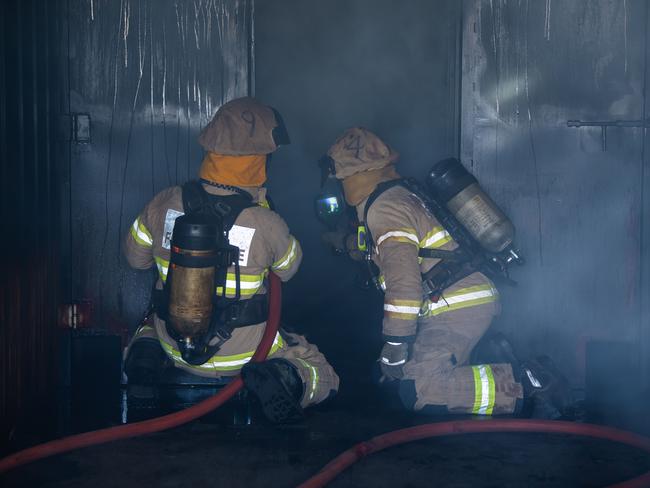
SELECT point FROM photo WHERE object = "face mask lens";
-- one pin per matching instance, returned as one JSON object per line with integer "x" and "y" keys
{"x": 331, "y": 205}
{"x": 328, "y": 209}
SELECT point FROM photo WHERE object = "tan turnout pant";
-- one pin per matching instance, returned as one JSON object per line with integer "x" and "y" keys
{"x": 438, "y": 379}
{"x": 318, "y": 377}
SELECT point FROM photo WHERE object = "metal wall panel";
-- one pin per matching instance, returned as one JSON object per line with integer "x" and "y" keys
{"x": 149, "y": 74}
{"x": 28, "y": 195}
{"x": 528, "y": 68}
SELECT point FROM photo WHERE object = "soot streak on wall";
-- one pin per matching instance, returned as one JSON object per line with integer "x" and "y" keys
{"x": 150, "y": 74}
{"x": 528, "y": 68}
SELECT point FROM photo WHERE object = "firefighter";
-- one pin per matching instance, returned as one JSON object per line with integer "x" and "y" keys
{"x": 238, "y": 142}
{"x": 427, "y": 344}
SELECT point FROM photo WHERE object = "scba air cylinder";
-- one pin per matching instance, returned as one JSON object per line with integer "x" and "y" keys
{"x": 194, "y": 247}
{"x": 456, "y": 188}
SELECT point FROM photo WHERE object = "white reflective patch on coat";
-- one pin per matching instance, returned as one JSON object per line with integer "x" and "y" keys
{"x": 170, "y": 220}
{"x": 242, "y": 237}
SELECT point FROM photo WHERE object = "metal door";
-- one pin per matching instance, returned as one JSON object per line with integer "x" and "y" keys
{"x": 143, "y": 76}
{"x": 528, "y": 68}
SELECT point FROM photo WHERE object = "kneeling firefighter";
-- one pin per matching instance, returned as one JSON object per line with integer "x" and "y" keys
{"x": 431, "y": 257}
{"x": 214, "y": 241}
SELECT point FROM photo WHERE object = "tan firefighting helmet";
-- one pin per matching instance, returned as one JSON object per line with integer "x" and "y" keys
{"x": 357, "y": 150}
{"x": 244, "y": 126}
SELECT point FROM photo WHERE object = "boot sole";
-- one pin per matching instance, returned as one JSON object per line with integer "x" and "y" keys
{"x": 278, "y": 404}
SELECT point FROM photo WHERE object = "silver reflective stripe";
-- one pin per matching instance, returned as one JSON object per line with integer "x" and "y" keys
{"x": 465, "y": 297}
{"x": 142, "y": 235}
{"x": 401, "y": 309}
{"x": 163, "y": 270}
{"x": 290, "y": 256}
{"x": 387, "y": 362}
{"x": 313, "y": 372}
{"x": 534, "y": 381}
{"x": 398, "y": 233}
{"x": 244, "y": 285}
{"x": 438, "y": 236}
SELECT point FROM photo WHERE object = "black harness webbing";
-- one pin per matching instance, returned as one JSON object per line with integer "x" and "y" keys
{"x": 228, "y": 313}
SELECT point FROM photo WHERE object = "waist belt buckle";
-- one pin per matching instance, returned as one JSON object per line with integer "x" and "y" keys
{"x": 234, "y": 312}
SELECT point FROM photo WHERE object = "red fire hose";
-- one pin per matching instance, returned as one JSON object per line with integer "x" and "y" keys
{"x": 161, "y": 423}
{"x": 376, "y": 444}
{"x": 349, "y": 457}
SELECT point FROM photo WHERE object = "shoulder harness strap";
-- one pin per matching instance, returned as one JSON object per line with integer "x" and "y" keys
{"x": 226, "y": 207}
{"x": 381, "y": 188}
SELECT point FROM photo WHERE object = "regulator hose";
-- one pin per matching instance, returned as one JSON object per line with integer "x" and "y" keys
{"x": 166, "y": 421}
{"x": 376, "y": 444}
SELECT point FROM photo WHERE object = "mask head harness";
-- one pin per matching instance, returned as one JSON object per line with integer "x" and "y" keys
{"x": 193, "y": 302}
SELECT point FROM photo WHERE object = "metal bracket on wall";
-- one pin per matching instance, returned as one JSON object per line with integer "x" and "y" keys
{"x": 75, "y": 127}
{"x": 608, "y": 123}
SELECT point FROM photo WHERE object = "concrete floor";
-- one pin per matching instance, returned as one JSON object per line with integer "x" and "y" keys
{"x": 210, "y": 453}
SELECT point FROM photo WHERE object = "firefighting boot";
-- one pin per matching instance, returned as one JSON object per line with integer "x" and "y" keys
{"x": 495, "y": 348}
{"x": 546, "y": 390}
{"x": 143, "y": 365}
{"x": 278, "y": 387}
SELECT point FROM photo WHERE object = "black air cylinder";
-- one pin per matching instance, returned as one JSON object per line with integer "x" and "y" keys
{"x": 455, "y": 187}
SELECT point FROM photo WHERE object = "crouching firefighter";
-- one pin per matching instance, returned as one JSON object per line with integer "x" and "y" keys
{"x": 433, "y": 261}
{"x": 214, "y": 242}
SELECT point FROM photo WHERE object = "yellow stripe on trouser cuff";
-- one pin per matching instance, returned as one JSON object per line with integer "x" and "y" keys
{"x": 313, "y": 374}
{"x": 221, "y": 363}
{"x": 248, "y": 284}
{"x": 289, "y": 257}
{"x": 484, "y": 390}
{"x": 401, "y": 235}
{"x": 163, "y": 267}
{"x": 402, "y": 309}
{"x": 140, "y": 233}
{"x": 463, "y": 298}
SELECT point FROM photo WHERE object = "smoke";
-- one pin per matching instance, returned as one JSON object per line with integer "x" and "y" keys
{"x": 391, "y": 66}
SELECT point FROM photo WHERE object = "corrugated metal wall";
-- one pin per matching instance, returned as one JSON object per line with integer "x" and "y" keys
{"x": 528, "y": 68}
{"x": 149, "y": 74}
{"x": 28, "y": 213}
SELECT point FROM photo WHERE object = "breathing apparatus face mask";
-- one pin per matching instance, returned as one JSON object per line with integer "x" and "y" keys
{"x": 329, "y": 204}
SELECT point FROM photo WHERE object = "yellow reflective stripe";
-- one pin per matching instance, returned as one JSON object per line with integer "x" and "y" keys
{"x": 313, "y": 374}
{"x": 248, "y": 284}
{"x": 141, "y": 234}
{"x": 484, "y": 390}
{"x": 143, "y": 329}
{"x": 459, "y": 299}
{"x": 438, "y": 237}
{"x": 289, "y": 257}
{"x": 221, "y": 363}
{"x": 401, "y": 235}
{"x": 382, "y": 282}
{"x": 264, "y": 204}
{"x": 402, "y": 309}
{"x": 163, "y": 267}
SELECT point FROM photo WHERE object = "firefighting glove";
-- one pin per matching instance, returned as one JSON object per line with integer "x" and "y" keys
{"x": 342, "y": 243}
{"x": 393, "y": 357}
